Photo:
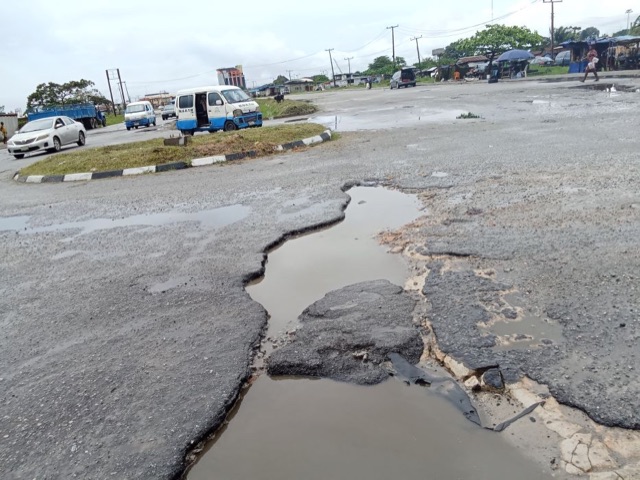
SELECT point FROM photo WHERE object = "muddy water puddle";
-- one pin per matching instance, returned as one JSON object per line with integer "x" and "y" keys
{"x": 528, "y": 330}
{"x": 304, "y": 269}
{"x": 387, "y": 118}
{"x": 215, "y": 218}
{"x": 291, "y": 429}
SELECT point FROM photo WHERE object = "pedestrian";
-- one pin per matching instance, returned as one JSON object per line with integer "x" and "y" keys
{"x": 3, "y": 131}
{"x": 592, "y": 57}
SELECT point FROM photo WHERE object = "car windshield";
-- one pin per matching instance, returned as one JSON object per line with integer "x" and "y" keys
{"x": 36, "y": 125}
{"x": 169, "y": 106}
{"x": 235, "y": 96}
{"x": 134, "y": 109}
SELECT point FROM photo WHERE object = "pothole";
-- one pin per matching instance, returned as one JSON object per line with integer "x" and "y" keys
{"x": 294, "y": 428}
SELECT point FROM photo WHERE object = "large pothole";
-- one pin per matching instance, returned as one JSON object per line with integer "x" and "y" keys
{"x": 293, "y": 428}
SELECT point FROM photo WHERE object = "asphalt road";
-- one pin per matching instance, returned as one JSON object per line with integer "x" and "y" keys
{"x": 126, "y": 331}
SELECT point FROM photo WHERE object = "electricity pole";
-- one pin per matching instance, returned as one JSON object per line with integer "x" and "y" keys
{"x": 393, "y": 43}
{"x": 417, "y": 48}
{"x": 349, "y": 61}
{"x": 333, "y": 74}
{"x": 552, "y": 2}
{"x": 113, "y": 104}
{"x": 628, "y": 12}
{"x": 289, "y": 72}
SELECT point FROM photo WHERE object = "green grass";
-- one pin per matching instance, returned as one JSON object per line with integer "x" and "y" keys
{"x": 154, "y": 152}
{"x": 112, "y": 120}
{"x": 287, "y": 108}
{"x": 466, "y": 116}
{"x": 542, "y": 70}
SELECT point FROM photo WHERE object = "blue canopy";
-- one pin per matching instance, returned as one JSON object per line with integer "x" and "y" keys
{"x": 515, "y": 55}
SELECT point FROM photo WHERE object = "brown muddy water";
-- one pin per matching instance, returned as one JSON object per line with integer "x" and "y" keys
{"x": 304, "y": 429}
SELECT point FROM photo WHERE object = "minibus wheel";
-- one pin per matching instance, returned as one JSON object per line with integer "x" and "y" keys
{"x": 229, "y": 126}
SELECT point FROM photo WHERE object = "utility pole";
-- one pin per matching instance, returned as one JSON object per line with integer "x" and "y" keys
{"x": 113, "y": 104}
{"x": 417, "y": 48}
{"x": 121, "y": 90}
{"x": 393, "y": 43}
{"x": 492, "y": 10}
{"x": 349, "y": 61}
{"x": 127, "y": 90}
{"x": 628, "y": 12}
{"x": 552, "y": 2}
{"x": 289, "y": 72}
{"x": 332, "y": 71}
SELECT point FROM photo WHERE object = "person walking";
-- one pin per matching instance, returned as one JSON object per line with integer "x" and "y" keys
{"x": 592, "y": 57}
{"x": 3, "y": 132}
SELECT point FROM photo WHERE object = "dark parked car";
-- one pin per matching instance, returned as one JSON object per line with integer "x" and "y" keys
{"x": 169, "y": 110}
{"x": 563, "y": 58}
{"x": 403, "y": 78}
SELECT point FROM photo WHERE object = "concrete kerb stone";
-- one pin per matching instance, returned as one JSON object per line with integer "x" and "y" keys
{"x": 197, "y": 162}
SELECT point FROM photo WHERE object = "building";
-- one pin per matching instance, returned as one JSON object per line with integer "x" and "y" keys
{"x": 300, "y": 85}
{"x": 10, "y": 122}
{"x": 232, "y": 76}
{"x": 346, "y": 79}
{"x": 158, "y": 99}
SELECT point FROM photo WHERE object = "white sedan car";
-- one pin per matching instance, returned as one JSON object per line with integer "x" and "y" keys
{"x": 48, "y": 134}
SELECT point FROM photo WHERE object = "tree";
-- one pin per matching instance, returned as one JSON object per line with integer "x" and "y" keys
{"x": 589, "y": 32}
{"x": 381, "y": 65}
{"x": 74, "y": 91}
{"x": 322, "y": 78}
{"x": 281, "y": 80}
{"x": 566, "y": 34}
{"x": 400, "y": 62}
{"x": 1, "y": 108}
{"x": 494, "y": 40}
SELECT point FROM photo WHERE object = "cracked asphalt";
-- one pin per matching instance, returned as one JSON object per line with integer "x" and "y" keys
{"x": 122, "y": 347}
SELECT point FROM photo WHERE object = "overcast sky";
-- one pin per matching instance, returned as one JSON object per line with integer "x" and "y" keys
{"x": 164, "y": 45}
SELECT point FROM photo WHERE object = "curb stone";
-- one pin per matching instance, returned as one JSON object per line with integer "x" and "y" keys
{"x": 196, "y": 162}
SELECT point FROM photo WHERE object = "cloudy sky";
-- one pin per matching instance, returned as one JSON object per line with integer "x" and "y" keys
{"x": 162, "y": 45}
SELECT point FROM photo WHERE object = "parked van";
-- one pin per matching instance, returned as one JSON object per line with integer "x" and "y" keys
{"x": 403, "y": 78}
{"x": 209, "y": 109}
{"x": 139, "y": 114}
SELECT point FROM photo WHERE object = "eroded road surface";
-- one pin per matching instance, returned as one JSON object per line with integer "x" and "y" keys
{"x": 124, "y": 346}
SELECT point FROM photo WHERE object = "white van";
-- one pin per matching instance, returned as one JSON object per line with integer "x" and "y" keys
{"x": 139, "y": 114}
{"x": 208, "y": 109}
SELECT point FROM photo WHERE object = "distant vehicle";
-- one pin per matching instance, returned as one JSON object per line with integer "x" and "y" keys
{"x": 209, "y": 109}
{"x": 139, "y": 114}
{"x": 563, "y": 58}
{"x": 541, "y": 61}
{"x": 403, "y": 78}
{"x": 87, "y": 113}
{"x": 49, "y": 134}
{"x": 169, "y": 110}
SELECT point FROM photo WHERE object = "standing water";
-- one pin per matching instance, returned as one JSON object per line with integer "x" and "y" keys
{"x": 292, "y": 429}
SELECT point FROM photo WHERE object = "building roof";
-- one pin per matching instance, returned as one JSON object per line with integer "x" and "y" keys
{"x": 473, "y": 59}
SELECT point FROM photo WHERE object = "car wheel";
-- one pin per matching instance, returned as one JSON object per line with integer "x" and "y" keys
{"x": 164, "y": 118}
{"x": 136, "y": 127}
{"x": 154, "y": 123}
{"x": 128, "y": 128}
{"x": 229, "y": 126}
{"x": 56, "y": 145}
{"x": 81, "y": 139}
{"x": 19, "y": 156}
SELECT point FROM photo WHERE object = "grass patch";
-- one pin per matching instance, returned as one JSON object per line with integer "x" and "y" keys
{"x": 543, "y": 70}
{"x": 287, "y": 108}
{"x": 112, "y": 120}
{"x": 466, "y": 116}
{"x": 153, "y": 152}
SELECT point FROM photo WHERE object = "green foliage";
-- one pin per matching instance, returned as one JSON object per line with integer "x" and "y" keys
{"x": 589, "y": 32}
{"x": 566, "y": 34}
{"x": 467, "y": 116}
{"x": 74, "y": 91}
{"x": 400, "y": 62}
{"x": 1, "y": 108}
{"x": 280, "y": 80}
{"x": 320, "y": 78}
{"x": 381, "y": 65}
{"x": 494, "y": 40}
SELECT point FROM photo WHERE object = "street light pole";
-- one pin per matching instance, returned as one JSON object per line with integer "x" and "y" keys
{"x": 628, "y": 12}
{"x": 552, "y": 2}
